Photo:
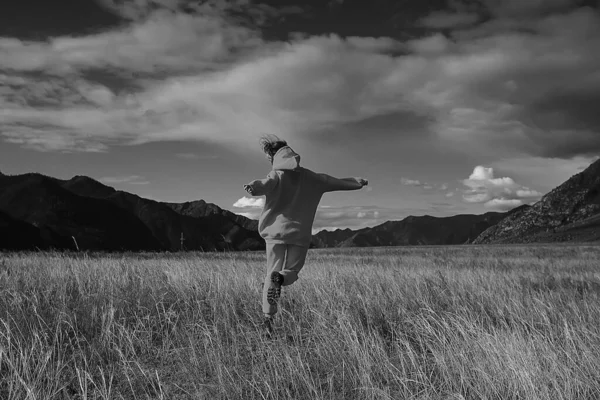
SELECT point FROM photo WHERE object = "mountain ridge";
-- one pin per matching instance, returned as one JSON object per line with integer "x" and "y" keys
{"x": 102, "y": 218}
{"x": 413, "y": 230}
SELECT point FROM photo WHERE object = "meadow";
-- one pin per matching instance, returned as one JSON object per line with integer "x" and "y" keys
{"x": 463, "y": 322}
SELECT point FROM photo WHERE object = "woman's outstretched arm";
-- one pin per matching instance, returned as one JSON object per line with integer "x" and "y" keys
{"x": 331, "y": 184}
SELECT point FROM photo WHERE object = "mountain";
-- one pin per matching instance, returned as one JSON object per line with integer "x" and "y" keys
{"x": 210, "y": 230}
{"x": 102, "y": 218}
{"x": 60, "y": 215}
{"x": 570, "y": 212}
{"x": 18, "y": 235}
{"x": 423, "y": 230}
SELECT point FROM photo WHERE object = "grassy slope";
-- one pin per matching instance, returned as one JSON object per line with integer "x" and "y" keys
{"x": 395, "y": 323}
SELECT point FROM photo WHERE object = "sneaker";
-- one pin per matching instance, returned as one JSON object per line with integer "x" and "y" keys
{"x": 274, "y": 292}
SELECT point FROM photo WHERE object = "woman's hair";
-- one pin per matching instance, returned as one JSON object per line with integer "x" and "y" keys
{"x": 270, "y": 145}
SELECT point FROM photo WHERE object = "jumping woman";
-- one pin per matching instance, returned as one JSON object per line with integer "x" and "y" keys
{"x": 292, "y": 195}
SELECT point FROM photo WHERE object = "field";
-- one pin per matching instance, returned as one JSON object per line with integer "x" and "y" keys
{"x": 511, "y": 322}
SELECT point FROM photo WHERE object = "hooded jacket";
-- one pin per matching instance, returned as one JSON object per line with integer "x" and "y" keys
{"x": 292, "y": 195}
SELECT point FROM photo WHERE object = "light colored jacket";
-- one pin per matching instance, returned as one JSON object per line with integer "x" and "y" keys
{"x": 292, "y": 195}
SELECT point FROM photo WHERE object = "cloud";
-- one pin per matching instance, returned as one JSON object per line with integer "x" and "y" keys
{"x": 450, "y": 194}
{"x": 410, "y": 182}
{"x": 250, "y": 202}
{"x": 163, "y": 42}
{"x": 129, "y": 180}
{"x": 445, "y": 20}
{"x": 521, "y": 82}
{"x": 299, "y": 88}
{"x": 496, "y": 193}
{"x": 547, "y": 173}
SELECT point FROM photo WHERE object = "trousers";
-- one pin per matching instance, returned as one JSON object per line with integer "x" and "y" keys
{"x": 288, "y": 260}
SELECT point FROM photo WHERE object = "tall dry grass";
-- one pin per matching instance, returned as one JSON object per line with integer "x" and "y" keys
{"x": 394, "y": 323}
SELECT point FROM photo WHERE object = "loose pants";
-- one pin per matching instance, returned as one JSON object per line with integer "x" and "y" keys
{"x": 288, "y": 260}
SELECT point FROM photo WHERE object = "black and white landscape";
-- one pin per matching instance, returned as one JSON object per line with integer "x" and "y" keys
{"x": 131, "y": 266}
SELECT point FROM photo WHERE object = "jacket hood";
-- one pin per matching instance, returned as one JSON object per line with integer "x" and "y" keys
{"x": 286, "y": 159}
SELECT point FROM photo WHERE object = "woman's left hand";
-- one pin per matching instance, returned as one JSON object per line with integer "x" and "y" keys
{"x": 249, "y": 189}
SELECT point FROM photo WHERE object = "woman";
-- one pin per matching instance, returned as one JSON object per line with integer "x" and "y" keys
{"x": 292, "y": 197}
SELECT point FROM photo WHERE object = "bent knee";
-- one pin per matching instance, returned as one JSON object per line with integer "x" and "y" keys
{"x": 289, "y": 280}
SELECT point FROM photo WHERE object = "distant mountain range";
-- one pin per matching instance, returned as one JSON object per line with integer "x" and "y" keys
{"x": 424, "y": 230}
{"x": 41, "y": 212}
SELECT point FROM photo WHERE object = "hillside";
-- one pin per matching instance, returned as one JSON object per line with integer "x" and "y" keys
{"x": 102, "y": 218}
{"x": 570, "y": 212}
{"x": 18, "y": 235}
{"x": 96, "y": 224}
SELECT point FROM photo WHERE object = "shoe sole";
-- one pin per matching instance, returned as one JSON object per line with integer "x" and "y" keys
{"x": 274, "y": 292}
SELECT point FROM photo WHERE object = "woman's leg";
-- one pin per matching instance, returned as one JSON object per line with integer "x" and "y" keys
{"x": 294, "y": 261}
{"x": 275, "y": 262}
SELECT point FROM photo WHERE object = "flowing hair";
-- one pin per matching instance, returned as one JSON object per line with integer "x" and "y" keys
{"x": 270, "y": 145}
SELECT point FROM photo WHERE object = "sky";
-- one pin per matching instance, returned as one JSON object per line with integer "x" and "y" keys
{"x": 446, "y": 107}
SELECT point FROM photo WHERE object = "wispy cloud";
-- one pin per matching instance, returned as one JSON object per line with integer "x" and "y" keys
{"x": 410, "y": 182}
{"x": 129, "y": 179}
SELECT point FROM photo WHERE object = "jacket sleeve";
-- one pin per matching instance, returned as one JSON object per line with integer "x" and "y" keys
{"x": 262, "y": 187}
{"x": 331, "y": 184}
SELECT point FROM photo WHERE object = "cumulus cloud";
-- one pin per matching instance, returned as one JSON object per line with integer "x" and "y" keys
{"x": 496, "y": 193}
{"x": 250, "y": 202}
